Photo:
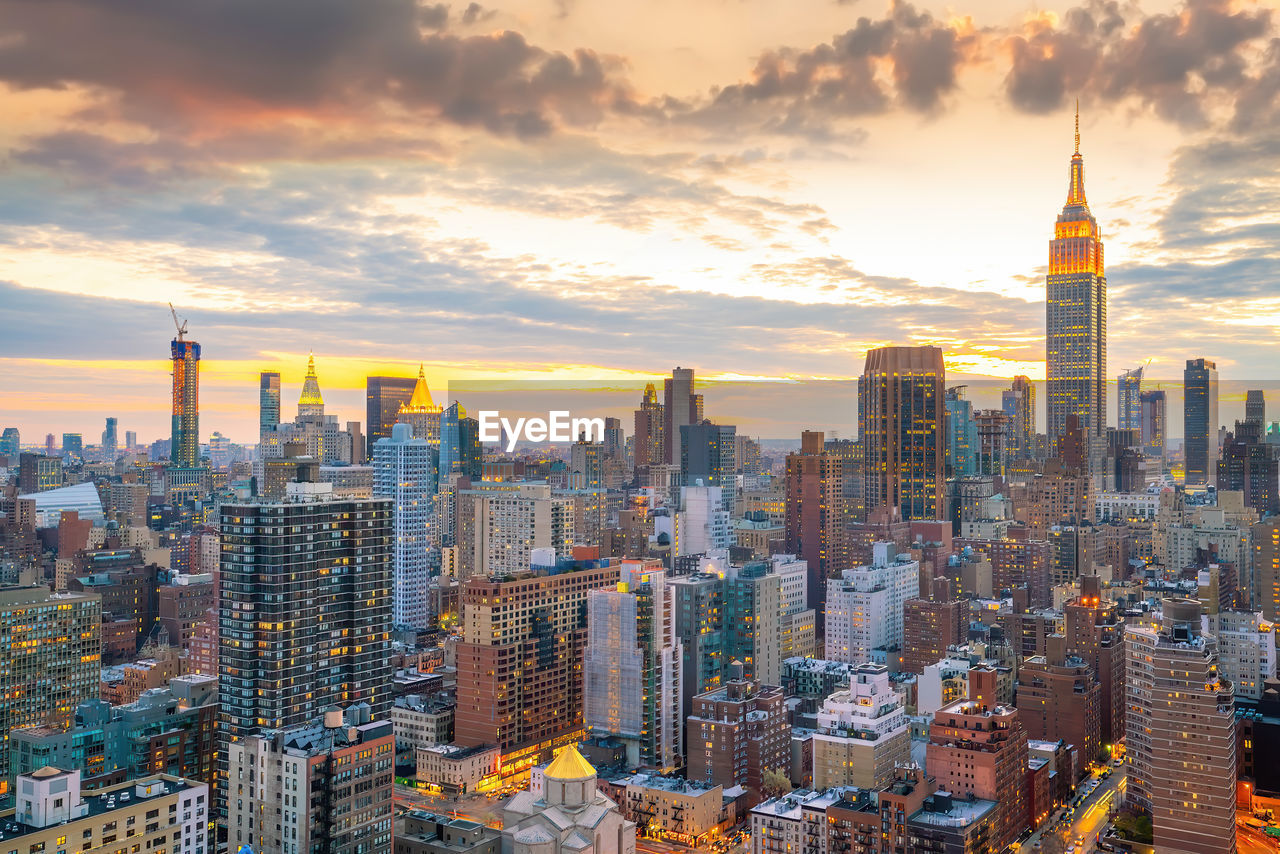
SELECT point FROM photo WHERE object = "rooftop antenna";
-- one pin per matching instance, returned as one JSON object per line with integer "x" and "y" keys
{"x": 181, "y": 327}
{"x": 1077, "y": 125}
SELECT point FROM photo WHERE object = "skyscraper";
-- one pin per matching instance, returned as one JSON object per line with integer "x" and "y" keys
{"x": 707, "y": 455}
{"x": 1019, "y": 403}
{"x": 818, "y": 511}
{"x": 311, "y": 402}
{"x": 1181, "y": 733}
{"x": 1129, "y": 400}
{"x": 110, "y": 440}
{"x": 383, "y": 397}
{"x": 962, "y": 434}
{"x": 460, "y": 451}
{"x": 10, "y": 443}
{"x": 1152, "y": 422}
{"x": 902, "y": 419}
{"x": 1200, "y": 422}
{"x": 268, "y": 401}
{"x": 1076, "y": 314}
{"x": 650, "y": 444}
{"x": 404, "y": 471}
{"x": 72, "y": 447}
{"x": 184, "y": 447}
{"x": 680, "y": 406}
{"x": 421, "y": 411}
{"x": 1255, "y": 407}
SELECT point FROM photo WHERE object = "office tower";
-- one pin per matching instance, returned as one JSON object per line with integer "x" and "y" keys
{"x": 268, "y": 401}
{"x": 460, "y": 451}
{"x": 865, "y": 605}
{"x": 72, "y": 447}
{"x": 10, "y": 444}
{"x": 50, "y": 448}
{"x": 404, "y": 472}
{"x": 700, "y": 627}
{"x": 1076, "y": 314}
{"x": 650, "y": 424}
{"x": 1181, "y": 739}
{"x": 707, "y": 457}
{"x": 566, "y": 814}
{"x": 1255, "y": 408}
{"x": 929, "y": 627}
{"x": 1246, "y": 651}
{"x": 109, "y": 440}
{"x": 50, "y": 661}
{"x": 1152, "y": 421}
{"x": 383, "y": 397}
{"x": 862, "y": 734}
{"x": 1200, "y": 422}
{"x": 38, "y": 473}
{"x": 328, "y": 787}
{"x": 818, "y": 511}
{"x": 995, "y": 441}
{"x": 1129, "y": 400}
{"x": 1019, "y": 403}
{"x": 1058, "y": 698}
{"x": 184, "y": 446}
{"x": 305, "y": 611}
{"x": 1251, "y": 466}
{"x": 737, "y": 732}
{"x": 902, "y": 421}
{"x": 521, "y": 657}
{"x": 130, "y": 440}
{"x": 680, "y": 406}
{"x": 979, "y": 748}
{"x": 421, "y": 411}
{"x": 962, "y": 434}
{"x": 219, "y": 451}
{"x": 1265, "y": 565}
{"x": 51, "y": 809}
{"x": 632, "y": 680}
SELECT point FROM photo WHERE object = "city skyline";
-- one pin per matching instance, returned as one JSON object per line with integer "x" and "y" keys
{"x": 780, "y": 178}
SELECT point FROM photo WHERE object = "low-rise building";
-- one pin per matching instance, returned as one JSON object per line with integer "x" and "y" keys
{"x": 955, "y": 825}
{"x": 422, "y": 721}
{"x": 421, "y": 832}
{"x": 674, "y": 808}
{"x": 794, "y": 822}
{"x": 453, "y": 770}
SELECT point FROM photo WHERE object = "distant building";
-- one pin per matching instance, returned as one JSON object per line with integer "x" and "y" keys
{"x": 184, "y": 448}
{"x": 383, "y": 398}
{"x": 1153, "y": 422}
{"x": 268, "y": 401}
{"x": 405, "y": 474}
{"x": 1200, "y": 422}
{"x": 901, "y": 421}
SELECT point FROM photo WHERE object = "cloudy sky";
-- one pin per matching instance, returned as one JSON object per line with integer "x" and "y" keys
{"x": 560, "y": 188}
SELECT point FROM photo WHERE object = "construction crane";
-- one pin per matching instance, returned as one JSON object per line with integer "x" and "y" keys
{"x": 181, "y": 327}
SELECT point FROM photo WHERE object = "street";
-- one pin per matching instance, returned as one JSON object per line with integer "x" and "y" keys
{"x": 1252, "y": 841}
{"x": 1091, "y": 816}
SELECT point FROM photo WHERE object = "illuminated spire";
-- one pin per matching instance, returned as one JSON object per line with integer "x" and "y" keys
{"x": 311, "y": 401}
{"x": 421, "y": 400}
{"x": 1075, "y": 191}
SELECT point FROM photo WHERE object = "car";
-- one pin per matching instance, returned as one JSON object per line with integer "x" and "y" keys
{"x": 1070, "y": 849}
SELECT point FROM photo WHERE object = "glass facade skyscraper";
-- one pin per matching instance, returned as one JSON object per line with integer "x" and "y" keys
{"x": 901, "y": 416}
{"x": 1129, "y": 400}
{"x": 268, "y": 401}
{"x": 1076, "y": 314}
{"x": 184, "y": 447}
{"x": 404, "y": 471}
{"x": 1200, "y": 422}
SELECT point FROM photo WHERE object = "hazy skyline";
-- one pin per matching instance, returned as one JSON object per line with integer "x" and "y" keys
{"x": 536, "y": 189}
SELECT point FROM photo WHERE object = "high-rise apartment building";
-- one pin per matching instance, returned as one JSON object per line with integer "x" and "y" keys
{"x": 700, "y": 628}
{"x": 1076, "y": 314}
{"x": 1246, "y": 651}
{"x": 323, "y": 786}
{"x": 680, "y": 406}
{"x": 737, "y": 732}
{"x": 863, "y": 733}
{"x": 1094, "y": 631}
{"x": 929, "y": 627}
{"x": 1250, "y": 465}
{"x": 50, "y": 659}
{"x": 707, "y": 457}
{"x": 460, "y": 451}
{"x": 866, "y": 603}
{"x": 1200, "y": 422}
{"x": 305, "y": 611}
{"x": 404, "y": 472}
{"x": 383, "y": 397}
{"x": 1181, "y": 739}
{"x": 1019, "y": 403}
{"x": 902, "y": 419}
{"x": 184, "y": 447}
{"x": 498, "y": 526}
{"x": 521, "y": 657}
{"x": 818, "y": 511}
{"x": 1129, "y": 400}
{"x": 1265, "y": 564}
{"x": 632, "y": 680}
{"x": 268, "y": 401}
{"x": 1059, "y": 699}
{"x": 1151, "y": 422}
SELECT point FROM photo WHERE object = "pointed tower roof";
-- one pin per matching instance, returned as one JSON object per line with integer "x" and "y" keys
{"x": 570, "y": 765}
{"x": 1075, "y": 191}
{"x": 421, "y": 398}
{"x": 311, "y": 386}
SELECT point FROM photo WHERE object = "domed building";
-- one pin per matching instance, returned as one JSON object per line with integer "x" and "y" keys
{"x": 563, "y": 812}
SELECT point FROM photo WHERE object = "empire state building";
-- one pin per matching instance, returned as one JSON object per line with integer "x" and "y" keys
{"x": 1076, "y": 314}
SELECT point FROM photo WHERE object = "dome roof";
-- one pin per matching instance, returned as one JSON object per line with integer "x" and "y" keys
{"x": 570, "y": 765}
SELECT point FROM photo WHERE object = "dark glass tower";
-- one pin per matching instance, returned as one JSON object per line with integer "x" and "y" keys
{"x": 268, "y": 401}
{"x": 1200, "y": 422}
{"x": 383, "y": 397}
{"x": 1076, "y": 314}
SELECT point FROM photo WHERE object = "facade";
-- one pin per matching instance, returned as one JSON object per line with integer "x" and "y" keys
{"x": 305, "y": 611}
{"x": 673, "y": 808}
{"x": 1200, "y": 422}
{"x": 564, "y": 813}
{"x": 422, "y": 721}
{"x": 452, "y": 771}
{"x": 1059, "y": 699}
{"x": 1129, "y": 400}
{"x": 404, "y": 473}
{"x": 707, "y": 457}
{"x": 49, "y": 659}
{"x": 268, "y": 401}
{"x": 1153, "y": 423}
{"x": 1094, "y": 631}
{"x": 184, "y": 448}
{"x": 1181, "y": 739}
{"x": 324, "y": 786}
{"x": 632, "y": 680}
{"x": 498, "y": 529}
{"x": 901, "y": 420}
{"x": 863, "y": 734}
{"x": 155, "y": 813}
{"x": 1265, "y": 563}
{"x": 700, "y": 610}
{"x": 383, "y": 398}
{"x": 929, "y": 628}
{"x": 1246, "y": 651}
{"x": 737, "y": 732}
{"x": 865, "y": 605}
{"x": 38, "y": 473}
{"x": 1019, "y": 403}
{"x": 818, "y": 511}
{"x": 520, "y": 660}
{"x": 1076, "y": 314}
{"x": 421, "y": 832}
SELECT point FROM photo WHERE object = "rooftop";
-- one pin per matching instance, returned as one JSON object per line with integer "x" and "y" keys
{"x": 951, "y": 812}
{"x": 102, "y": 801}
